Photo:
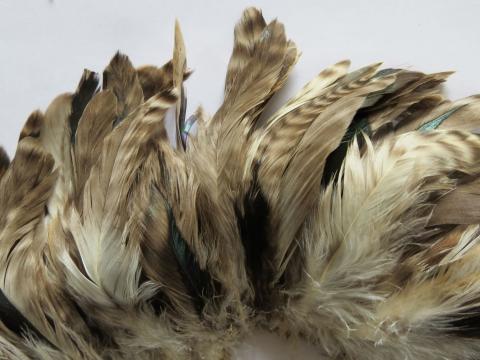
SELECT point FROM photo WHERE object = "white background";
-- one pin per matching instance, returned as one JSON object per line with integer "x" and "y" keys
{"x": 44, "y": 46}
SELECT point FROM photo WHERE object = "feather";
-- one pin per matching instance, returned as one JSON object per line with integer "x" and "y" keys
{"x": 57, "y": 132}
{"x": 290, "y": 123}
{"x": 121, "y": 78}
{"x": 385, "y": 111}
{"x": 179, "y": 63}
{"x": 106, "y": 189}
{"x": 94, "y": 125}
{"x": 85, "y": 91}
{"x": 107, "y": 229}
{"x": 348, "y": 218}
{"x": 33, "y": 126}
{"x": 157, "y": 79}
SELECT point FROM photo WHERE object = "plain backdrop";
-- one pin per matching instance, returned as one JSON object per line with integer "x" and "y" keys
{"x": 45, "y": 45}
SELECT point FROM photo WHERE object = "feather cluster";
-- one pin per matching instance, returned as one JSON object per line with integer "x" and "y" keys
{"x": 349, "y": 218}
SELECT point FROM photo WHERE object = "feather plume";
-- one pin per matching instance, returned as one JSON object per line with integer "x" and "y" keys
{"x": 348, "y": 218}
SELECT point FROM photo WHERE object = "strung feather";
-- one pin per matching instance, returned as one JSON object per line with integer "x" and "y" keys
{"x": 246, "y": 34}
{"x": 57, "y": 133}
{"x": 94, "y": 125}
{"x": 138, "y": 250}
{"x": 260, "y": 61}
{"x": 55, "y": 127}
{"x": 198, "y": 280}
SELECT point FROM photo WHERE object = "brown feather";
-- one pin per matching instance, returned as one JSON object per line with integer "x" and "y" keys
{"x": 121, "y": 78}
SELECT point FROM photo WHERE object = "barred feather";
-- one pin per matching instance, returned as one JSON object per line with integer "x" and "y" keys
{"x": 349, "y": 218}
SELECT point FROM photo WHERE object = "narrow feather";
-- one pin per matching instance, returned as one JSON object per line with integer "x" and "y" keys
{"x": 86, "y": 89}
{"x": 94, "y": 125}
{"x": 179, "y": 63}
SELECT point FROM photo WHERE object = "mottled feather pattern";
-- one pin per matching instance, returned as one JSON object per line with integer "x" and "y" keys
{"x": 349, "y": 218}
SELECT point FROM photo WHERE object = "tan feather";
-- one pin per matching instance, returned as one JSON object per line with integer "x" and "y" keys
{"x": 121, "y": 78}
{"x": 95, "y": 124}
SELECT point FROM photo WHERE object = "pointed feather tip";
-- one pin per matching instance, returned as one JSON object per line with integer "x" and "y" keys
{"x": 444, "y": 75}
{"x": 119, "y": 57}
{"x": 119, "y": 62}
{"x": 376, "y": 66}
{"x": 178, "y": 30}
{"x": 341, "y": 65}
{"x": 178, "y": 36}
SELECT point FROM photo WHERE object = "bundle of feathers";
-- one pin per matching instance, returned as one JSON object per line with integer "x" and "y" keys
{"x": 350, "y": 218}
